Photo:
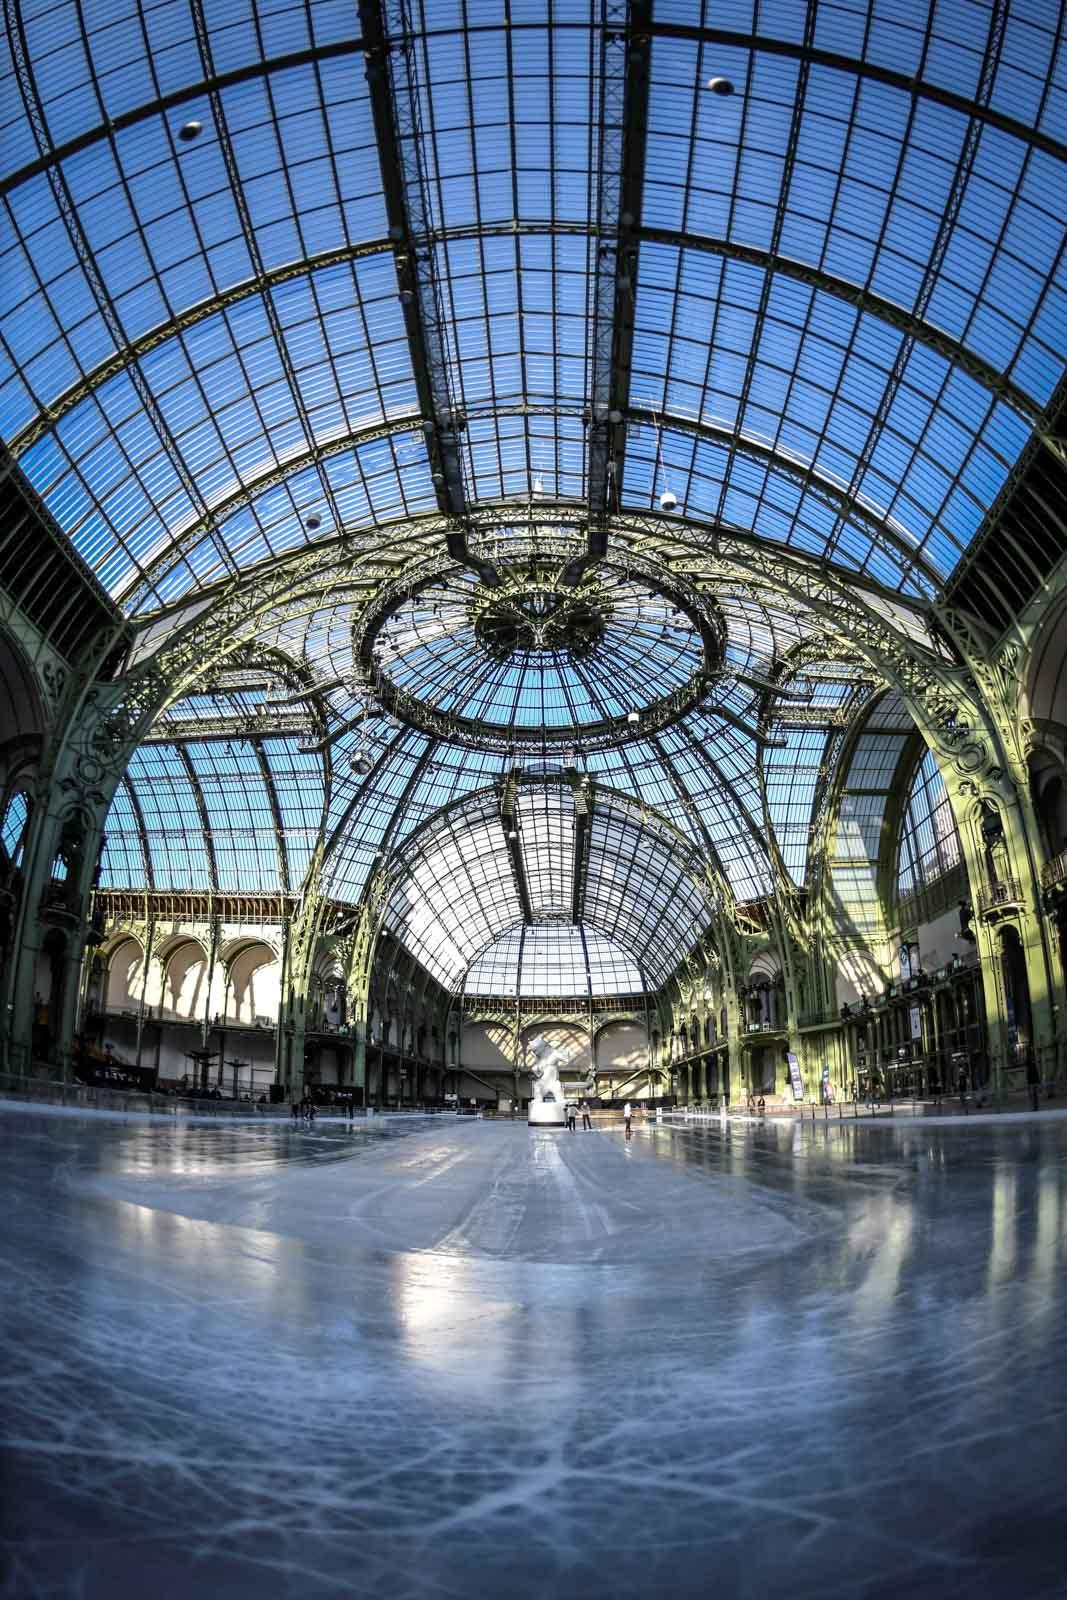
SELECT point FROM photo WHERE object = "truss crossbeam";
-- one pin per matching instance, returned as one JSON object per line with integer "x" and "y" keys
{"x": 509, "y": 818}
{"x": 623, "y": 117}
{"x": 397, "y": 103}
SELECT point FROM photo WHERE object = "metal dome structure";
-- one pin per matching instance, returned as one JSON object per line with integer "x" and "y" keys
{"x": 425, "y": 401}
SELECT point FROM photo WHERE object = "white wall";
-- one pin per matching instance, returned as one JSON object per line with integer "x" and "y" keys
{"x": 185, "y": 983}
{"x": 487, "y": 1047}
{"x": 938, "y": 941}
{"x": 858, "y": 973}
{"x": 255, "y": 985}
{"x": 124, "y": 971}
{"x": 622, "y": 1048}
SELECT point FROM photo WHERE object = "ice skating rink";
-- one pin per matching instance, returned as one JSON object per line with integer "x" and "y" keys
{"x": 449, "y": 1358}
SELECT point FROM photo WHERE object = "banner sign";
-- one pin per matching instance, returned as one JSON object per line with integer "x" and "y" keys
{"x": 794, "y": 1075}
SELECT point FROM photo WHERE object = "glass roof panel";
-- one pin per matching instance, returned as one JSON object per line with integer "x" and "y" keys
{"x": 870, "y": 174}
{"x": 505, "y": 116}
{"x": 174, "y": 828}
{"x": 456, "y": 888}
{"x": 739, "y": 350}
{"x": 550, "y": 961}
{"x": 858, "y": 234}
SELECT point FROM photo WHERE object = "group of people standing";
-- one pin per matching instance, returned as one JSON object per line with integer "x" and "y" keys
{"x": 587, "y": 1121}
{"x": 572, "y": 1116}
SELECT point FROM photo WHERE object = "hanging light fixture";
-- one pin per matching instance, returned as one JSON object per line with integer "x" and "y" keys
{"x": 668, "y": 500}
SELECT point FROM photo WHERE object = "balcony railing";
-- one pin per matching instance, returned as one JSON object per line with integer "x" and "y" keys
{"x": 999, "y": 897}
{"x": 818, "y": 1019}
{"x": 1054, "y": 871}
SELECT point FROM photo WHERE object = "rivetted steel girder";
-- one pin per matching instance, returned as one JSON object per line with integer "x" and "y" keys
{"x": 201, "y": 809}
{"x": 620, "y": 172}
{"x": 584, "y": 799}
{"x": 250, "y": 236}
{"x": 719, "y": 873}
{"x": 281, "y": 854}
{"x": 509, "y": 822}
{"x": 142, "y": 832}
{"x": 392, "y": 80}
{"x": 312, "y": 575}
{"x": 728, "y": 38}
{"x": 861, "y": 299}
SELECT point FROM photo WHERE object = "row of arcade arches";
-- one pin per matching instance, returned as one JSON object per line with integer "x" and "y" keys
{"x": 244, "y": 987}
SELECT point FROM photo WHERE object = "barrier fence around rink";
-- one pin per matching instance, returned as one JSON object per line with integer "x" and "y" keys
{"x": 36, "y": 1087}
{"x": 850, "y": 1110}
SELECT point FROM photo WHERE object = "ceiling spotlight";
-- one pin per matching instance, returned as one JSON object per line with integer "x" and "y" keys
{"x": 361, "y": 763}
{"x": 312, "y": 522}
{"x": 633, "y": 718}
{"x": 190, "y": 130}
{"x": 512, "y": 834}
{"x": 721, "y": 86}
{"x": 668, "y": 500}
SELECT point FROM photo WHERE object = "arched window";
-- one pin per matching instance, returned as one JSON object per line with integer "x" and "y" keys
{"x": 929, "y": 843}
{"x": 13, "y": 828}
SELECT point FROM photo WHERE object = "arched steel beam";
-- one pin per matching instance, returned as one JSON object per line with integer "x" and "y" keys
{"x": 862, "y": 300}
{"x": 808, "y": 478}
{"x": 708, "y": 762}
{"x": 729, "y": 38}
{"x": 805, "y": 477}
{"x": 691, "y": 808}
{"x": 277, "y": 474}
{"x": 82, "y": 248}
{"x": 171, "y": 102}
{"x": 640, "y": 815}
{"x": 622, "y": 85}
{"x": 251, "y": 241}
{"x": 280, "y": 851}
{"x": 513, "y": 846}
{"x": 142, "y": 830}
{"x": 198, "y": 797}
{"x": 231, "y": 616}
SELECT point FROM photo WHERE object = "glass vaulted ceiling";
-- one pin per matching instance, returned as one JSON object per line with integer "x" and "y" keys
{"x": 846, "y": 294}
{"x": 848, "y": 302}
{"x": 474, "y": 873}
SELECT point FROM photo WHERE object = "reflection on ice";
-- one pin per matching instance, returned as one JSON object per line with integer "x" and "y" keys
{"x": 476, "y": 1359}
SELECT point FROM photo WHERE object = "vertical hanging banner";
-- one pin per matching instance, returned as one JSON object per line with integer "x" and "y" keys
{"x": 794, "y": 1075}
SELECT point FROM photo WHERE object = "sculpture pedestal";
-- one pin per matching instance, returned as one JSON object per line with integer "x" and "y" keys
{"x": 546, "y": 1114}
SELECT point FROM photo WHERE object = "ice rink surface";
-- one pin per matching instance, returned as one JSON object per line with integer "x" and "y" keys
{"x": 450, "y": 1358}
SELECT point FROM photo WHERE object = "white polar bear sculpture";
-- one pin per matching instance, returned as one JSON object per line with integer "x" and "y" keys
{"x": 548, "y": 1107}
